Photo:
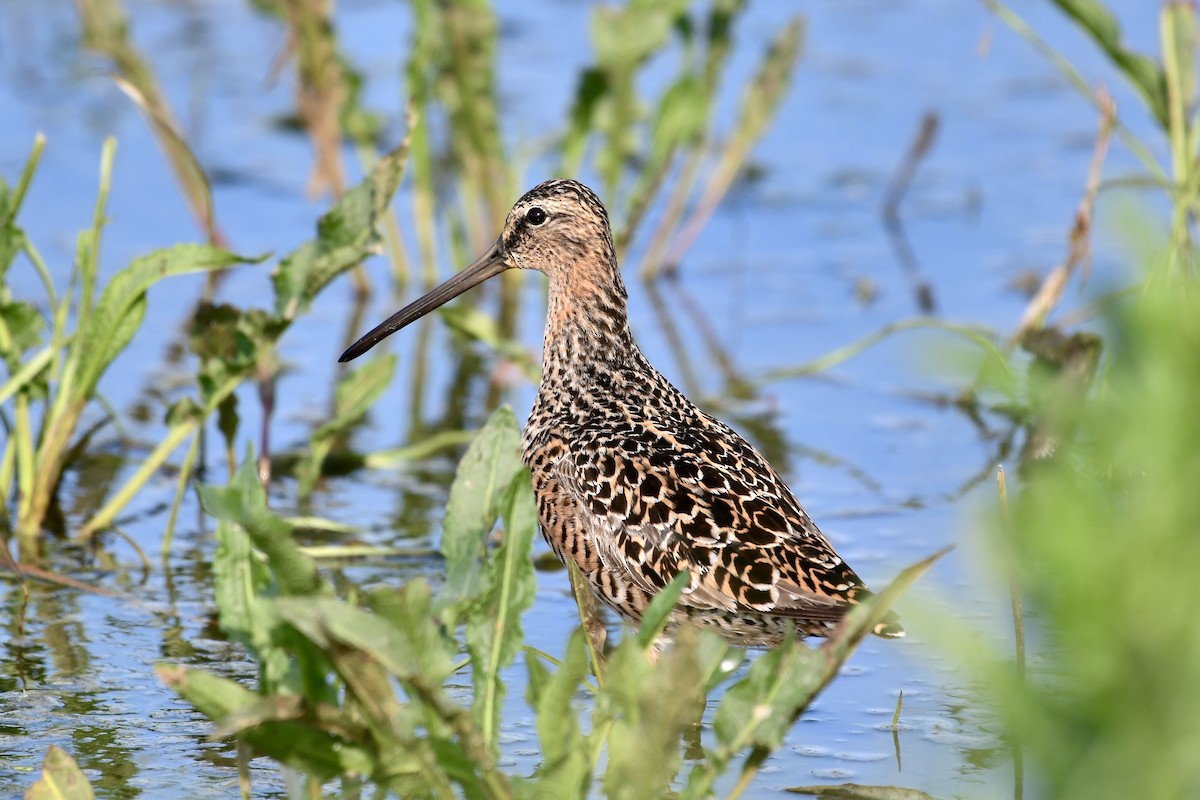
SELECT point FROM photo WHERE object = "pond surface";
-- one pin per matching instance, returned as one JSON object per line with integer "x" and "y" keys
{"x": 795, "y": 263}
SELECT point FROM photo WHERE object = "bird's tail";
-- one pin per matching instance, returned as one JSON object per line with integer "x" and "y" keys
{"x": 889, "y": 628}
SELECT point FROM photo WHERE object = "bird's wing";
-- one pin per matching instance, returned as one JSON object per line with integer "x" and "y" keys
{"x": 700, "y": 498}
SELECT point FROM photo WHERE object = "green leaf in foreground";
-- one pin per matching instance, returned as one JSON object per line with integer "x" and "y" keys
{"x": 62, "y": 779}
{"x": 356, "y": 392}
{"x": 119, "y": 312}
{"x": 301, "y": 742}
{"x": 484, "y": 474}
{"x": 649, "y": 706}
{"x": 659, "y": 611}
{"x": 405, "y": 651}
{"x": 1142, "y": 71}
{"x": 494, "y": 634}
{"x": 345, "y": 236}
{"x": 566, "y": 770}
{"x": 244, "y": 502}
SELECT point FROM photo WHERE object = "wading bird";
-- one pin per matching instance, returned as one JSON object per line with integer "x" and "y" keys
{"x": 634, "y": 483}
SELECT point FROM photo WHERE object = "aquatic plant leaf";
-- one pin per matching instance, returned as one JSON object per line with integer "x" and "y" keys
{"x": 62, "y": 779}
{"x": 681, "y": 118}
{"x": 22, "y": 329}
{"x": 623, "y": 39}
{"x": 494, "y": 634}
{"x": 407, "y": 651}
{"x": 118, "y": 313}
{"x": 244, "y": 502}
{"x": 759, "y": 709}
{"x": 410, "y": 613}
{"x": 1142, "y": 71}
{"x": 484, "y": 473}
{"x": 1117, "y": 505}
{"x": 565, "y": 771}
{"x": 356, "y": 392}
{"x": 301, "y": 743}
{"x": 659, "y": 610}
{"x": 345, "y": 236}
{"x": 481, "y": 327}
{"x": 650, "y": 706}
{"x": 1178, "y": 34}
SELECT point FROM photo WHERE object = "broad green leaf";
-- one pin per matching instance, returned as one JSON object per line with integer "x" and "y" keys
{"x": 303, "y": 744}
{"x": 758, "y": 710}
{"x": 631, "y": 34}
{"x": 62, "y": 779}
{"x": 242, "y": 582}
{"x": 21, "y": 329}
{"x": 426, "y": 649}
{"x": 606, "y": 101}
{"x": 345, "y": 236}
{"x": 565, "y": 770}
{"x": 762, "y": 95}
{"x": 244, "y": 502}
{"x": 405, "y": 651}
{"x": 651, "y": 705}
{"x": 494, "y": 625}
{"x": 1142, "y": 71}
{"x": 111, "y": 324}
{"x": 362, "y": 647}
{"x": 482, "y": 327}
{"x": 682, "y": 116}
{"x": 484, "y": 473}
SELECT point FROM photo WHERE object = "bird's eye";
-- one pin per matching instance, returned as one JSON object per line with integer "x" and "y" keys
{"x": 536, "y": 215}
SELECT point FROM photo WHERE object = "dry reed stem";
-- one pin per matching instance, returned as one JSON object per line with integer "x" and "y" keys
{"x": 1051, "y": 291}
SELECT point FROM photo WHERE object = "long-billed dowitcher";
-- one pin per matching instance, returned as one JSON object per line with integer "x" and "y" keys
{"x": 633, "y": 481}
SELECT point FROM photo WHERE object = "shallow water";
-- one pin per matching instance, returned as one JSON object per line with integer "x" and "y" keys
{"x": 889, "y": 475}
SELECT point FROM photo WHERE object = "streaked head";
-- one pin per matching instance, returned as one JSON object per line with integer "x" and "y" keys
{"x": 559, "y": 228}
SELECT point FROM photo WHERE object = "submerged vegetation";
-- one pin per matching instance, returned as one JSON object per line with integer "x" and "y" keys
{"x": 360, "y": 688}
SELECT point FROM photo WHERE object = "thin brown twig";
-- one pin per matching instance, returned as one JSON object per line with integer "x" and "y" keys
{"x": 1051, "y": 291}
{"x": 897, "y": 190}
{"x": 24, "y": 569}
{"x": 901, "y": 182}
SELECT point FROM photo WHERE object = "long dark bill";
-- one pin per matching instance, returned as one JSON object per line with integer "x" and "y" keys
{"x": 486, "y": 266}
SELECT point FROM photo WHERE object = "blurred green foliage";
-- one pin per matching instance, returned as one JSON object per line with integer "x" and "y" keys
{"x": 326, "y": 705}
{"x": 1104, "y": 544}
{"x": 1102, "y": 541}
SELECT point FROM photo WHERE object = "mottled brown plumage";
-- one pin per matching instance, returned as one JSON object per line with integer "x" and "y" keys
{"x": 633, "y": 481}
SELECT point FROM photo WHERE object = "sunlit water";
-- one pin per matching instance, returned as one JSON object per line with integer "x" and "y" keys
{"x": 889, "y": 475}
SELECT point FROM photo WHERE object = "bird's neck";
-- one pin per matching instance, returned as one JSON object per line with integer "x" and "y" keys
{"x": 587, "y": 331}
